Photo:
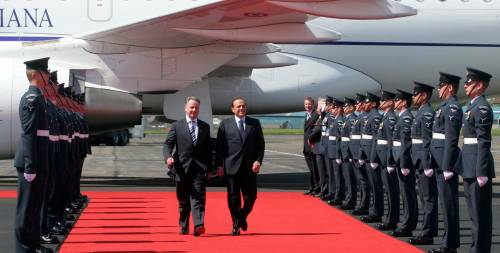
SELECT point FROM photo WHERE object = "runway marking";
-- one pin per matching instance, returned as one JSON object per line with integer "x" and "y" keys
{"x": 283, "y": 153}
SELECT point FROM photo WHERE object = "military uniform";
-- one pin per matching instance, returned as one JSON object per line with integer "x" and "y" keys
{"x": 477, "y": 161}
{"x": 445, "y": 152}
{"x": 32, "y": 158}
{"x": 421, "y": 136}
{"x": 360, "y": 170}
{"x": 401, "y": 153}
{"x": 336, "y": 178}
{"x": 347, "y": 157}
{"x": 383, "y": 157}
{"x": 369, "y": 130}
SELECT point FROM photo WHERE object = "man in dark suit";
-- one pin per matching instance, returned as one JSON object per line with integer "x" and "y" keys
{"x": 477, "y": 161}
{"x": 32, "y": 159}
{"x": 310, "y": 120}
{"x": 240, "y": 150}
{"x": 188, "y": 155}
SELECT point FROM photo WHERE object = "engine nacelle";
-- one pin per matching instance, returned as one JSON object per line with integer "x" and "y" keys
{"x": 110, "y": 109}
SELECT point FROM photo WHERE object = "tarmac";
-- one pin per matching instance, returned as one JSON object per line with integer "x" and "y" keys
{"x": 141, "y": 167}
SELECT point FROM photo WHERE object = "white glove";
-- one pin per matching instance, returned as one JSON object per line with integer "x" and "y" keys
{"x": 361, "y": 162}
{"x": 390, "y": 169}
{"x": 447, "y": 174}
{"x": 428, "y": 172}
{"x": 482, "y": 181}
{"x": 350, "y": 160}
{"x": 339, "y": 161}
{"x": 322, "y": 108}
{"x": 405, "y": 172}
{"x": 29, "y": 177}
{"x": 374, "y": 165}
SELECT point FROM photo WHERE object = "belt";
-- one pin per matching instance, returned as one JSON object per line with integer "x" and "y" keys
{"x": 470, "y": 141}
{"x": 356, "y": 137}
{"x": 332, "y": 138}
{"x": 382, "y": 142}
{"x": 438, "y": 136}
{"x": 84, "y": 135}
{"x": 44, "y": 133}
{"x": 54, "y": 137}
{"x": 366, "y": 137}
{"x": 417, "y": 141}
{"x": 396, "y": 143}
{"x": 324, "y": 133}
{"x": 345, "y": 139}
{"x": 77, "y": 135}
{"x": 63, "y": 137}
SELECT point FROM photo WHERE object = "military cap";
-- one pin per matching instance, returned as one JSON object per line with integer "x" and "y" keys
{"x": 53, "y": 76}
{"x": 422, "y": 87}
{"x": 329, "y": 100}
{"x": 386, "y": 95}
{"x": 476, "y": 74}
{"x": 349, "y": 101}
{"x": 401, "y": 94}
{"x": 337, "y": 102}
{"x": 448, "y": 79}
{"x": 360, "y": 98}
{"x": 370, "y": 97}
{"x": 38, "y": 64}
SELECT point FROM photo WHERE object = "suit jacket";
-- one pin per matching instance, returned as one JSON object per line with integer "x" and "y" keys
{"x": 235, "y": 152}
{"x": 308, "y": 128}
{"x": 345, "y": 146}
{"x": 179, "y": 145}
{"x": 369, "y": 131}
{"x": 334, "y": 137}
{"x": 382, "y": 152}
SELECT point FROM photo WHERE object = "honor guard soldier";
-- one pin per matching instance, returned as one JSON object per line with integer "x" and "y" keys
{"x": 319, "y": 139}
{"x": 421, "y": 134}
{"x": 358, "y": 163}
{"x": 381, "y": 157}
{"x": 31, "y": 160}
{"x": 46, "y": 237}
{"x": 401, "y": 152}
{"x": 351, "y": 191}
{"x": 336, "y": 180}
{"x": 310, "y": 119}
{"x": 477, "y": 161}
{"x": 445, "y": 152}
{"x": 370, "y": 128}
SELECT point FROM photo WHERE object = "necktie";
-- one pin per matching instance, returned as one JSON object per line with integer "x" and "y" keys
{"x": 192, "y": 131}
{"x": 241, "y": 128}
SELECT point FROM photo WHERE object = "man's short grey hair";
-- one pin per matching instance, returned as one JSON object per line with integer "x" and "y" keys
{"x": 193, "y": 98}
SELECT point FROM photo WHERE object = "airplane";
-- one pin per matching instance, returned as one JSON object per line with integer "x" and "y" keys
{"x": 272, "y": 53}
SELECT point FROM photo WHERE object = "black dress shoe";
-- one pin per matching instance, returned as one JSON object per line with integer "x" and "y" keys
{"x": 43, "y": 250}
{"x": 184, "y": 231}
{"x": 243, "y": 225}
{"x": 401, "y": 233}
{"x": 421, "y": 241}
{"x": 56, "y": 230}
{"x": 442, "y": 250}
{"x": 236, "y": 230}
{"x": 48, "y": 239}
{"x": 199, "y": 230}
{"x": 386, "y": 227}
{"x": 346, "y": 207}
{"x": 334, "y": 202}
{"x": 359, "y": 212}
{"x": 371, "y": 219}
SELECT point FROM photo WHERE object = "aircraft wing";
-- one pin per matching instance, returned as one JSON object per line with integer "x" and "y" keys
{"x": 257, "y": 21}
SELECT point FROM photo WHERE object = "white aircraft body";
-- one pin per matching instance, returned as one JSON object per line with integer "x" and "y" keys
{"x": 166, "y": 50}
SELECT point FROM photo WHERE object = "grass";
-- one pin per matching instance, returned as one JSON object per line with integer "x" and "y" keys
{"x": 495, "y": 131}
{"x": 267, "y": 131}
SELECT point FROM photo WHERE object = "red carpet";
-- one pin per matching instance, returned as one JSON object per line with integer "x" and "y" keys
{"x": 146, "y": 222}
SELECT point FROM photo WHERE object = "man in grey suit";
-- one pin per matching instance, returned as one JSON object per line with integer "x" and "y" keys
{"x": 188, "y": 155}
{"x": 240, "y": 150}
